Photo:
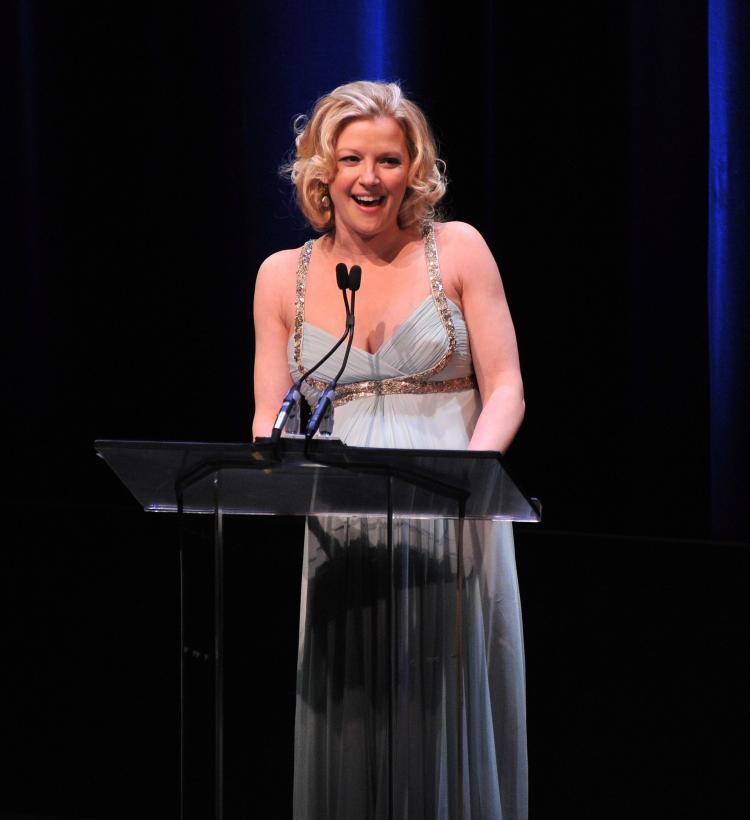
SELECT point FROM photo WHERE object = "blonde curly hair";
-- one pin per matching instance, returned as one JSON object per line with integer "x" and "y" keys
{"x": 314, "y": 159}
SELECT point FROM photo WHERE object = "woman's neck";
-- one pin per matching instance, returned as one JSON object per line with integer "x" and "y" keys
{"x": 380, "y": 248}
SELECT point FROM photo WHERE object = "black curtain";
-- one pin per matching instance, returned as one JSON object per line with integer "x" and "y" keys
{"x": 144, "y": 148}
{"x": 141, "y": 146}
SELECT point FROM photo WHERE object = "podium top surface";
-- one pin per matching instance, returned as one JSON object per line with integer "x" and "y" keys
{"x": 328, "y": 478}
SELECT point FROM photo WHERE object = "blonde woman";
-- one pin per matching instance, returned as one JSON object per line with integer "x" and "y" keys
{"x": 434, "y": 364}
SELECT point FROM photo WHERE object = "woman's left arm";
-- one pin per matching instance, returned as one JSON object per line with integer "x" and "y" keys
{"x": 492, "y": 337}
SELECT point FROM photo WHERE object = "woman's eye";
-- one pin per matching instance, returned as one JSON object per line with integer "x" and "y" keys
{"x": 391, "y": 161}
{"x": 350, "y": 159}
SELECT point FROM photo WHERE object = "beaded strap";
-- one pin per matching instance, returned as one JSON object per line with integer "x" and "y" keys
{"x": 417, "y": 382}
{"x": 299, "y": 301}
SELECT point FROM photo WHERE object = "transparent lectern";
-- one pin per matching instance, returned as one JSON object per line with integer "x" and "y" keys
{"x": 318, "y": 477}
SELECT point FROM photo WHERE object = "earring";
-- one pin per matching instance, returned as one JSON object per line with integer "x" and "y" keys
{"x": 325, "y": 200}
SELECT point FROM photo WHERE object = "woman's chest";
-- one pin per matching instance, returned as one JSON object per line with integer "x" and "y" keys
{"x": 386, "y": 303}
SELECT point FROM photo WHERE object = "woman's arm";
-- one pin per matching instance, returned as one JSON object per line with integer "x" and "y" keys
{"x": 272, "y": 305}
{"x": 491, "y": 335}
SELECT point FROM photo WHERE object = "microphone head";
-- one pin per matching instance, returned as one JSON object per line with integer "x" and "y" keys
{"x": 342, "y": 276}
{"x": 355, "y": 277}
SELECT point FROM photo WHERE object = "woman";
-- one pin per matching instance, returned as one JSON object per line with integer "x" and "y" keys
{"x": 434, "y": 365}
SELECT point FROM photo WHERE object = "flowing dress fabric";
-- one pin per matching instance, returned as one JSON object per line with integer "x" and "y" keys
{"x": 341, "y": 743}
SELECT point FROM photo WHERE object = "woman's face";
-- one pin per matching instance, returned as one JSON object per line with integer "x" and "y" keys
{"x": 372, "y": 166}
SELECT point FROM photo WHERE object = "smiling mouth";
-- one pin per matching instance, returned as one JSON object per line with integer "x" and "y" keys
{"x": 368, "y": 201}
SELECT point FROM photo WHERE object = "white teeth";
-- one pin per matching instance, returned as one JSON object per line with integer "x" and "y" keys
{"x": 367, "y": 198}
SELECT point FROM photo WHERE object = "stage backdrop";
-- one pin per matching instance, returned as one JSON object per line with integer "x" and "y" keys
{"x": 144, "y": 148}
{"x": 601, "y": 148}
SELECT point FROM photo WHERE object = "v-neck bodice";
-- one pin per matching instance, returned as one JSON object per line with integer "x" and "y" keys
{"x": 309, "y": 326}
{"x": 427, "y": 354}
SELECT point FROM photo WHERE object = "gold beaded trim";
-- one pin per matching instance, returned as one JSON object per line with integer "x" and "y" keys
{"x": 395, "y": 387}
{"x": 438, "y": 294}
{"x": 299, "y": 301}
{"x": 441, "y": 304}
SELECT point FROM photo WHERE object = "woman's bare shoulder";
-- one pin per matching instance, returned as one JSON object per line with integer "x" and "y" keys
{"x": 275, "y": 285}
{"x": 464, "y": 255}
{"x": 281, "y": 264}
{"x": 459, "y": 236}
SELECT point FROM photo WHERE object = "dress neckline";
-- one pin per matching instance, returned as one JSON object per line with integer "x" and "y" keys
{"x": 387, "y": 343}
{"x": 437, "y": 294}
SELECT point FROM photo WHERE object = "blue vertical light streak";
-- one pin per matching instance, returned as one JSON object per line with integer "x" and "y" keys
{"x": 728, "y": 261}
{"x": 718, "y": 186}
{"x": 374, "y": 39}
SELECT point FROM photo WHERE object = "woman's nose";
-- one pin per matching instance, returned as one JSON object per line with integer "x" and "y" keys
{"x": 369, "y": 175}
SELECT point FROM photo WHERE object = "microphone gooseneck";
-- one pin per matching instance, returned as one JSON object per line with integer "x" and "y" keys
{"x": 322, "y": 417}
{"x": 288, "y": 415}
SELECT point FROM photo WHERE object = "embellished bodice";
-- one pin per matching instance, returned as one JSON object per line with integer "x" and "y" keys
{"x": 428, "y": 352}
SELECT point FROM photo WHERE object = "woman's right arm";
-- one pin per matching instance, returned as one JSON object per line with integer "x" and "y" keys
{"x": 272, "y": 315}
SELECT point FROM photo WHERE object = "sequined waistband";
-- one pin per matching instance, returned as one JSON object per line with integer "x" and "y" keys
{"x": 391, "y": 387}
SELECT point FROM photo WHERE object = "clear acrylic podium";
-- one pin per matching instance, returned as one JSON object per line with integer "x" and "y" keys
{"x": 306, "y": 479}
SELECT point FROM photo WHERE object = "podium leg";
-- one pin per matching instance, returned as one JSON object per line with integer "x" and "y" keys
{"x": 392, "y": 670}
{"x": 181, "y": 595}
{"x": 185, "y": 651}
{"x": 218, "y": 657}
{"x": 201, "y": 686}
{"x": 460, "y": 662}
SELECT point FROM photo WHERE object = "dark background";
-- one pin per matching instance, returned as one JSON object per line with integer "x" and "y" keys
{"x": 140, "y": 149}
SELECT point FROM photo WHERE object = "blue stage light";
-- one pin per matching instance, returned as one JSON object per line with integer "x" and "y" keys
{"x": 374, "y": 35}
{"x": 728, "y": 260}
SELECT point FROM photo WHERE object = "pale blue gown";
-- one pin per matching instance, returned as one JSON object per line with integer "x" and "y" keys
{"x": 416, "y": 391}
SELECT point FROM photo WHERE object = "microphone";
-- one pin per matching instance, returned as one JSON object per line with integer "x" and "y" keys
{"x": 288, "y": 415}
{"x": 342, "y": 277}
{"x": 322, "y": 417}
